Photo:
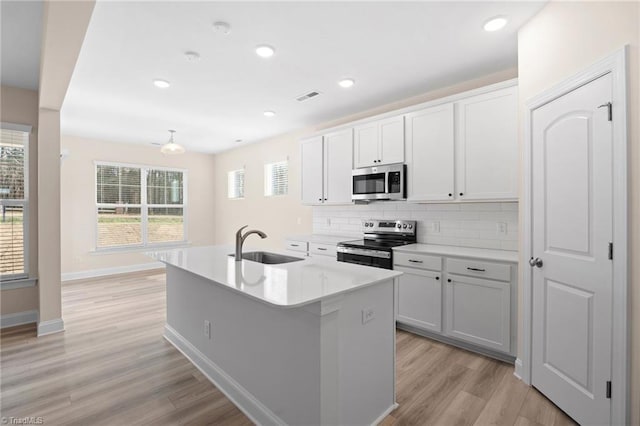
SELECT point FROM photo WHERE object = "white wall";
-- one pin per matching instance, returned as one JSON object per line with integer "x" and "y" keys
{"x": 561, "y": 40}
{"x": 464, "y": 224}
{"x": 78, "y": 200}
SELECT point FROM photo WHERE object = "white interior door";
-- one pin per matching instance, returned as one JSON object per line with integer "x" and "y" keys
{"x": 572, "y": 228}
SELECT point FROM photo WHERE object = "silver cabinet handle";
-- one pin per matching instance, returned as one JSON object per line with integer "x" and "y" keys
{"x": 322, "y": 248}
{"x": 537, "y": 262}
{"x": 475, "y": 269}
{"x": 415, "y": 261}
{"x": 295, "y": 245}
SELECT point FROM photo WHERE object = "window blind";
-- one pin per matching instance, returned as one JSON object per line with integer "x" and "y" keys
{"x": 276, "y": 178}
{"x": 13, "y": 203}
{"x": 165, "y": 206}
{"x": 235, "y": 183}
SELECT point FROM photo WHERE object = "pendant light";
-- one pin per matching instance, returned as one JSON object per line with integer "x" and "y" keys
{"x": 171, "y": 147}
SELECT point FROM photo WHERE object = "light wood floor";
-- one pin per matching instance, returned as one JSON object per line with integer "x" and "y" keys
{"x": 112, "y": 366}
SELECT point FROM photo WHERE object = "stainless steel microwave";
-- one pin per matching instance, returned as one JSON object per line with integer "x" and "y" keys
{"x": 379, "y": 183}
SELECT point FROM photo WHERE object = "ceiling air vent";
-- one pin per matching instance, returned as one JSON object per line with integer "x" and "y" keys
{"x": 307, "y": 96}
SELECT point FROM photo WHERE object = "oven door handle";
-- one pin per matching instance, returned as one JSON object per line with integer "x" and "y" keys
{"x": 365, "y": 252}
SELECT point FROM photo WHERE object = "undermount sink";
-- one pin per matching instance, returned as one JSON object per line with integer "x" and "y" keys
{"x": 268, "y": 258}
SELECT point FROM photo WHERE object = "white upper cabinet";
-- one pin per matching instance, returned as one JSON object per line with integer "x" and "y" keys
{"x": 312, "y": 170}
{"x": 326, "y": 168}
{"x": 487, "y": 146}
{"x": 379, "y": 142}
{"x": 338, "y": 163}
{"x": 430, "y": 159}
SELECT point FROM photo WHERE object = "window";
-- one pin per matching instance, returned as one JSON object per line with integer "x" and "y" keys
{"x": 276, "y": 179}
{"x": 14, "y": 143}
{"x": 236, "y": 184}
{"x": 139, "y": 206}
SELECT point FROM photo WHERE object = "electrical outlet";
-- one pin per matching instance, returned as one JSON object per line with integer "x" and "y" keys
{"x": 435, "y": 227}
{"x": 368, "y": 314}
{"x": 328, "y": 221}
{"x": 299, "y": 221}
{"x": 501, "y": 227}
{"x": 207, "y": 329}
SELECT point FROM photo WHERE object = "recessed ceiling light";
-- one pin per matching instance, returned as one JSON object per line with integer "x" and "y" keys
{"x": 163, "y": 84}
{"x": 192, "y": 56}
{"x": 495, "y": 24}
{"x": 347, "y": 82}
{"x": 222, "y": 27}
{"x": 269, "y": 114}
{"x": 265, "y": 51}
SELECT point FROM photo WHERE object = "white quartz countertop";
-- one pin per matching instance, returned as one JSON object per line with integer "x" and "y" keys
{"x": 323, "y": 239}
{"x": 476, "y": 253}
{"x": 286, "y": 285}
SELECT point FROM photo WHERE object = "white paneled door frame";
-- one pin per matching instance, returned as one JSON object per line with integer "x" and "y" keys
{"x": 616, "y": 65}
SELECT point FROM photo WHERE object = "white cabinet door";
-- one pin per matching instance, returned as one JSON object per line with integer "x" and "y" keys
{"x": 338, "y": 163}
{"x": 487, "y": 146}
{"x": 430, "y": 160}
{"x": 312, "y": 171}
{"x": 365, "y": 145}
{"x": 420, "y": 299}
{"x": 391, "y": 133}
{"x": 479, "y": 311}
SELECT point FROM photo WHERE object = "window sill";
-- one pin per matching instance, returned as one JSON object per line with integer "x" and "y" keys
{"x": 18, "y": 283}
{"x": 140, "y": 249}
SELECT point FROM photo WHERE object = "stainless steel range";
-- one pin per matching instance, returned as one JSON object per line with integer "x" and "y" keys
{"x": 380, "y": 236}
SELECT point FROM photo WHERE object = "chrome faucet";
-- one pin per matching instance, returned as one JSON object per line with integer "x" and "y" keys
{"x": 240, "y": 240}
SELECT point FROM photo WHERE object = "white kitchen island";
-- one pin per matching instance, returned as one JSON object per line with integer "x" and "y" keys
{"x": 310, "y": 342}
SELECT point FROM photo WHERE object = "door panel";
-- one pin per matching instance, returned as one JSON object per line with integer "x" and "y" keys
{"x": 420, "y": 299}
{"x": 430, "y": 138}
{"x": 392, "y": 140}
{"x": 338, "y": 156}
{"x": 365, "y": 145}
{"x": 479, "y": 311}
{"x": 569, "y": 197}
{"x": 487, "y": 146}
{"x": 572, "y": 227}
{"x": 312, "y": 168}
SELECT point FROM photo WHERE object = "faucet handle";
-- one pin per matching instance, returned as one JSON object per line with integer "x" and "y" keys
{"x": 239, "y": 232}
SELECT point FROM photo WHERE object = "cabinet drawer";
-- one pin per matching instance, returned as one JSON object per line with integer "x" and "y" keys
{"x": 322, "y": 249}
{"x": 296, "y": 245}
{"x": 421, "y": 261}
{"x": 482, "y": 269}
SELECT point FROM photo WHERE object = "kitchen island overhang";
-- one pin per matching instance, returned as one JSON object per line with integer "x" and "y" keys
{"x": 303, "y": 343}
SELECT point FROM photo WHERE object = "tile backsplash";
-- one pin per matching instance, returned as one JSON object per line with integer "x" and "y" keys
{"x": 484, "y": 225}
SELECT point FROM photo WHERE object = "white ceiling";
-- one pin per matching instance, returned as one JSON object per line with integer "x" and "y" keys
{"x": 20, "y": 39}
{"x": 393, "y": 50}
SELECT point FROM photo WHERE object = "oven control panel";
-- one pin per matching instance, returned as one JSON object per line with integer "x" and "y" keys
{"x": 380, "y": 226}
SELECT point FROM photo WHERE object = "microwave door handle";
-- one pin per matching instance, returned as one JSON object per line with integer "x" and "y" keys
{"x": 386, "y": 182}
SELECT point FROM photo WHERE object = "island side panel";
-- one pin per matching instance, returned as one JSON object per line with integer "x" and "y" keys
{"x": 272, "y": 352}
{"x": 367, "y": 354}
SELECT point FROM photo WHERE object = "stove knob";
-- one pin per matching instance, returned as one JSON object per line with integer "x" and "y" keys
{"x": 410, "y": 226}
{"x": 404, "y": 226}
{"x": 370, "y": 223}
{"x": 366, "y": 224}
{"x": 398, "y": 226}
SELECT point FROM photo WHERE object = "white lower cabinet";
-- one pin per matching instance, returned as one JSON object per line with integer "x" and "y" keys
{"x": 420, "y": 298}
{"x": 462, "y": 301}
{"x": 479, "y": 311}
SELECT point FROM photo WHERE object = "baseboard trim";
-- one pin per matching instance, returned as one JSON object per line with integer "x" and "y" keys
{"x": 94, "y": 273}
{"x": 50, "y": 327}
{"x": 457, "y": 343}
{"x": 518, "y": 370}
{"x": 247, "y": 403}
{"x": 385, "y": 414}
{"x": 18, "y": 318}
